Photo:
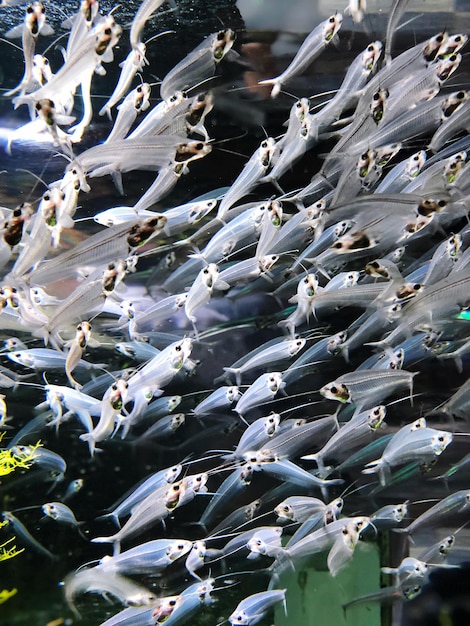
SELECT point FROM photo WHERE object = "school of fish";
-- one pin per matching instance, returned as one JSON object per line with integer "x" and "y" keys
{"x": 257, "y": 338}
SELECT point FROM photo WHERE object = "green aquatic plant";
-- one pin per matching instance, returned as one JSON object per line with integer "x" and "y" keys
{"x": 10, "y": 460}
{"x": 6, "y": 595}
{"x": 8, "y": 552}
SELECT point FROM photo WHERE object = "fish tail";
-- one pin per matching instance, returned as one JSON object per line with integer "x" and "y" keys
{"x": 111, "y": 516}
{"x": 275, "y": 83}
{"x": 106, "y": 110}
{"x": 88, "y": 437}
{"x": 110, "y": 539}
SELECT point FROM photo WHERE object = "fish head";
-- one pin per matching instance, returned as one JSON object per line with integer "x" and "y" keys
{"x": 240, "y": 618}
{"x": 191, "y": 150}
{"x": 142, "y": 97}
{"x": 370, "y": 56}
{"x": 398, "y": 356}
{"x": 174, "y": 494}
{"x": 307, "y": 287}
{"x": 232, "y": 394}
{"x": 197, "y": 483}
{"x": 301, "y": 108}
{"x": 446, "y": 545}
{"x": 353, "y": 242}
{"x": 331, "y": 27}
{"x": 333, "y": 510}
{"x": 41, "y": 69}
{"x": 176, "y": 549}
{"x": 50, "y": 510}
{"x": 89, "y": 10}
{"x": 453, "y": 102}
{"x": 271, "y": 424}
{"x": 365, "y": 162}
{"x": 378, "y": 103}
{"x": 376, "y": 417}
{"x": 176, "y": 421}
{"x": 453, "y": 167}
{"x": 400, "y": 511}
{"x": 222, "y": 43}
{"x": 165, "y": 608}
{"x": 440, "y": 441}
{"x": 434, "y": 46}
{"x": 284, "y": 512}
{"x": 200, "y": 210}
{"x": 267, "y": 261}
{"x": 266, "y": 151}
{"x": 333, "y": 346}
{"x": 452, "y": 44}
{"x": 172, "y": 473}
{"x": 336, "y": 391}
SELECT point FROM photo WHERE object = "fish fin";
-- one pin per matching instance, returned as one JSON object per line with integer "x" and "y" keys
{"x": 112, "y": 516}
{"x": 15, "y": 32}
{"x": 47, "y": 30}
{"x": 117, "y": 180}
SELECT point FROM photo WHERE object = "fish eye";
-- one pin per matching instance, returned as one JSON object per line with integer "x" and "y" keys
{"x": 364, "y": 156}
{"x": 376, "y": 96}
{"x": 264, "y": 144}
{"x": 442, "y": 204}
{"x": 370, "y": 48}
{"x": 172, "y": 602}
{"x": 338, "y": 245}
{"x": 416, "y": 287}
{"x": 108, "y": 31}
{"x": 199, "y": 146}
{"x": 460, "y": 95}
{"x": 29, "y": 9}
{"x": 205, "y": 271}
{"x": 334, "y": 389}
{"x": 441, "y": 439}
{"x": 46, "y": 197}
{"x": 221, "y": 35}
{"x": 332, "y": 19}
